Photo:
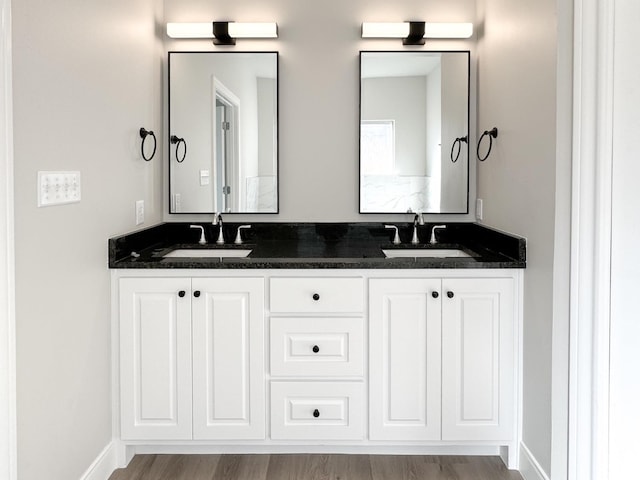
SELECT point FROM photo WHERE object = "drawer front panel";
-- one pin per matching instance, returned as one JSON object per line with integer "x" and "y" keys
{"x": 317, "y": 346}
{"x": 317, "y": 295}
{"x": 317, "y": 411}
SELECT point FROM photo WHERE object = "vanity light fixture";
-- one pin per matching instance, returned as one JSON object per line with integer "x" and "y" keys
{"x": 223, "y": 33}
{"x": 414, "y": 33}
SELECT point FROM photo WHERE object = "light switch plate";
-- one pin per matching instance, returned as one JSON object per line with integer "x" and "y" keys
{"x": 176, "y": 203}
{"x": 56, "y": 188}
{"x": 204, "y": 177}
{"x": 479, "y": 212}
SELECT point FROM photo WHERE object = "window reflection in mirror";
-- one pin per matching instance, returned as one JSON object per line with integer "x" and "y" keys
{"x": 225, "y": 107}
{"x": 413, "y": 106}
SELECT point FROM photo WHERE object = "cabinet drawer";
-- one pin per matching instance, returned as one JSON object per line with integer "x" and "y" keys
{"x": 317, "y": 346}
{"x": 317, "y": 411}
{"x": 322, "y": 295}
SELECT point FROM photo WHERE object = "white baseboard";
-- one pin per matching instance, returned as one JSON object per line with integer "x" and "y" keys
{"x": 530, "y": 469}
{"x": 103, "y": 466}
{"x": 188, "y": 449}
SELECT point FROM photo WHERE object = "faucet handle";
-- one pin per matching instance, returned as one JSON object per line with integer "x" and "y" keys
{"x": 203, "y": 239}
{"x": 396, "y": 237}
{"x": 238, "y": 240}
{"x": 433, "y": 233}
{"x": 218, "y": 220}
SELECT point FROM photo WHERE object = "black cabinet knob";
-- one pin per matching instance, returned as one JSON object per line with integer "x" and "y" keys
{"x": 196, "y": 293}
{"x": 315, "y": 349}
{"x": 316, "y": 413}
{"x": 182, "y": 293}
{"x": 450, "y": 294}
{"x": 316, "y": 297}
{"x": 435, "y": 294}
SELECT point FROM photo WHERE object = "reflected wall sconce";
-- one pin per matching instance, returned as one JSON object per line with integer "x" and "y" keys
{"x": 223, "y": 33}
{"x": 414, "y": 33}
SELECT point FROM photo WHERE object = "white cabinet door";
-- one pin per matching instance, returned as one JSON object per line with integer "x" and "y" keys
{"x": 478, "y": 364}
{"x": 404, "y": 358}
{"x": 155, "y": 358}
{"x": 228, "y": 358}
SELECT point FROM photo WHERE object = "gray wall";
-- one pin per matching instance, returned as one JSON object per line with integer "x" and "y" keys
{"x": 86, "y": 77}
{"x": 319, "y": 89}
{"x": 518, "y": 79}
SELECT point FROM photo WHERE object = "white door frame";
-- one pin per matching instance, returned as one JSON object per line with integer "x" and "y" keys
{"x": 234, "y": 174}
{"x": 591, "y": 240}
{"x": 8, "y": 449}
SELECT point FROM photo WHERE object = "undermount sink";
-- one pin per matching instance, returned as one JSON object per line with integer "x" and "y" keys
{"x": 425, "y": 253}
{"x": 208, "y": 253}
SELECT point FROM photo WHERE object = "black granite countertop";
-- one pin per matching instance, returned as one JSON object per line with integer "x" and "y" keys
{"x": 317, "y": 246}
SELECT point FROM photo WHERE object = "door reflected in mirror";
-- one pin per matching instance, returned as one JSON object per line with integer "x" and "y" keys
{"x": 224, "y": 106}
{"x": 414, "y": 124}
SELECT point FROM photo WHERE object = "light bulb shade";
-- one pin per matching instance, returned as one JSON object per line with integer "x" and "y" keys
{"x": 385, "y": 30}
{"x": 190, "y": 30}
{"x": 253, "y": 30}
{"x": 402, "y": 30}
{"x": 234, "y": 29}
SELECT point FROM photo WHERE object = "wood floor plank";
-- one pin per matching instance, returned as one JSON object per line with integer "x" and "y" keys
{"x": 314, "y": 467}
{"x": 135, "y": 470}
{"x": 242, "y": 467}
{"x": 350, "y": 467}
{"x": 410, "y": 467}
{"x": 298, "y": 467}
{"x": 319, "y": 467}
{"x": 483, "y": 468}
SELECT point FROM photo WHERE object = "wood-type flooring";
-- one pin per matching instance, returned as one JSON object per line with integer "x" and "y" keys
{"x": 314, "y": 467}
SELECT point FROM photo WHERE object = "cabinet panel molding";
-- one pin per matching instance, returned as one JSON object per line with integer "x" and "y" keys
{"x": 317, "y": 295}
{"x": 317, "y": 346}
{"x": 478, "y": 361}
{"x": 404, "y": 359}
{"x": 155, "y": 363}
{"x": 317, "y": 410}
{"x": 228, "y": 359}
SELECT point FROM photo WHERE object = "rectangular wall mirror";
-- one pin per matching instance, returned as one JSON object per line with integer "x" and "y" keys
{"x": 223, "y": 131}
{"x": 414, "y": 126}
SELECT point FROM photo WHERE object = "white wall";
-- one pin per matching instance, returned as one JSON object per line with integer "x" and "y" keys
{"x": 87, "y": 76}
{"x": 517, "y": 85}
{"x": 319, "y": 89}
{"x": 8, "y": 452}
{"x": 625, "y": 265}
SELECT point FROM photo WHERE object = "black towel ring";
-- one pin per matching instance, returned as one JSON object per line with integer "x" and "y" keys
{"x": 493, "y": 133}
{"x": 177, "y": 141}
{"x": 458, "y": 141}
{"x": 144, "y": 134}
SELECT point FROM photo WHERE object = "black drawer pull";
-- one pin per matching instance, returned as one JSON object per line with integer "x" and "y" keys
{"x": 450, "y": 294}
{"x": 315, "y": 349}
{"x": 316, "y": 413}
{"x": 435, "y": 294}
{"x": 182, "y": 293}
{"x": 196, "y": 293}
{"x": 316, "y": 297}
